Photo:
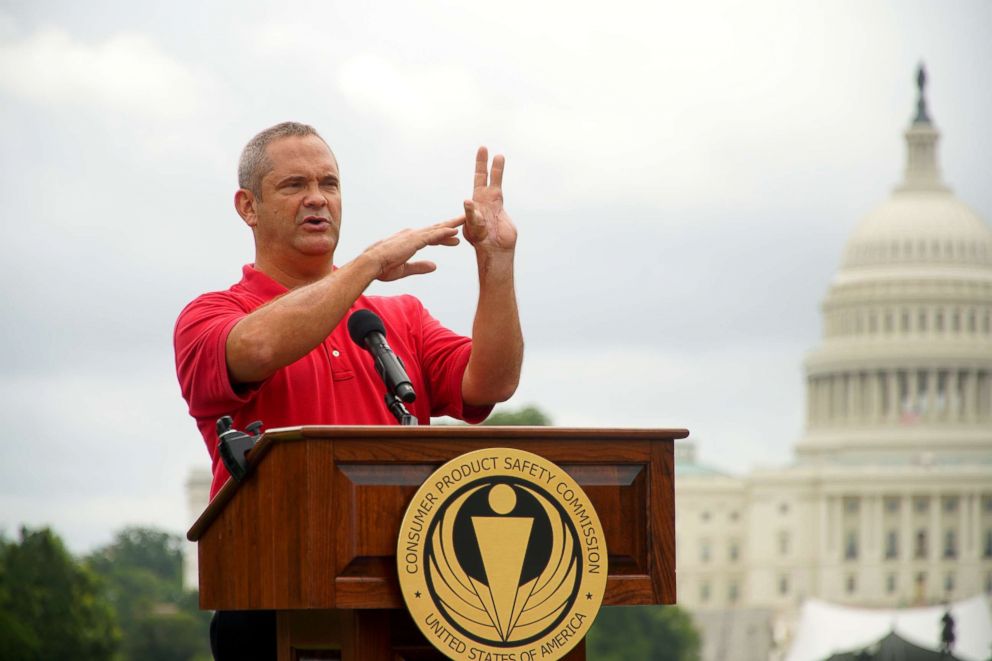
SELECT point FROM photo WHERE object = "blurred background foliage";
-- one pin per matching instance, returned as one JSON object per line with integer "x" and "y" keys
{"x": 527, "y": 416}
{"x": 124, "y": 601}
{"x": 624, "y": 633}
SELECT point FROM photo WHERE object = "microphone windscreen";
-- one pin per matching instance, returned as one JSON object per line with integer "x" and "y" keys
{"x": 363, "y": 322}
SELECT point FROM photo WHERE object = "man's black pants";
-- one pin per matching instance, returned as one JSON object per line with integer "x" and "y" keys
{"x": 243, "y": 636}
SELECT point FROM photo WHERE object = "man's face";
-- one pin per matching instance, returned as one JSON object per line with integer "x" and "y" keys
{"x": 299, "y": 210}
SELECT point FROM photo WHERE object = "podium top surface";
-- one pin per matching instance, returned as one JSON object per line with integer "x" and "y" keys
{"x": 451, "y": 432}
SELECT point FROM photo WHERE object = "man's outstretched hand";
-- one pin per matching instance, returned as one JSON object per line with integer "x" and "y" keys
{"x": 487, "y": 225}
{"x": 393, "y": 256}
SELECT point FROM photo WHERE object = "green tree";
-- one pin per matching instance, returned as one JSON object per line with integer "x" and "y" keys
{"x": 51, "y": 606}
{"x": 529, "y": 415}
{"x": 659, "y": 633}
{"x": 151, "y": 550}
{"x": 142, "y": 568}
{"x": 17, "y": 640}
{"x": 167, "y": 635}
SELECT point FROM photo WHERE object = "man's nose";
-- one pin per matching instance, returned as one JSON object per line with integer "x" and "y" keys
{"x": 314, "y": 197}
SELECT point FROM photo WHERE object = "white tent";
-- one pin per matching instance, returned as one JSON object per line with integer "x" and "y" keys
{"x": 826, "y": 628}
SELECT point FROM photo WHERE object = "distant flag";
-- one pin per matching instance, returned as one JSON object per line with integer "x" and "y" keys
{"x": 910, "y": 414}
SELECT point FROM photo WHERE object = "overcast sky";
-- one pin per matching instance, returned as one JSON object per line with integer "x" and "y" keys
{"x": 683, "y": 175}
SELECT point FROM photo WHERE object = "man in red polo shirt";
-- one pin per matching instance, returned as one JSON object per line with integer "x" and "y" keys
{"x": 274, "y": 347}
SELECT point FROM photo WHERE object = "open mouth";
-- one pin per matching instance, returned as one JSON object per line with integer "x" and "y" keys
{"x": 315, "y": 221}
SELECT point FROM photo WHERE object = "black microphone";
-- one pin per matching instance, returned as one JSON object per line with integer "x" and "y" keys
{"x": 368, "y": 332}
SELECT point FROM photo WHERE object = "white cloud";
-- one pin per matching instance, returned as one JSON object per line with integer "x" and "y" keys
{"x": 127, "y": 72}
{"x": 419, "y": 102}
{"x": 8, "y": 27}
{"x": 667, "y": 105}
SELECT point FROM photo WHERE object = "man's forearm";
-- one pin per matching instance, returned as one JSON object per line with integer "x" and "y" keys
{"x": 493, "y": 370}
{"x": 289, "y": 327}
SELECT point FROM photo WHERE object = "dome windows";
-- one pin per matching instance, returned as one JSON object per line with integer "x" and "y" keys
{"x": 923, "y": 250}
{"x": 954, "y": 322}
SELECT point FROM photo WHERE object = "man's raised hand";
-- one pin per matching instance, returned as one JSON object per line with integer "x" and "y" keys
{"x": 487, "y": 225}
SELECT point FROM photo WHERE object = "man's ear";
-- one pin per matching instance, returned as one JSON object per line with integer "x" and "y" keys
{"x": 244, "y": 203}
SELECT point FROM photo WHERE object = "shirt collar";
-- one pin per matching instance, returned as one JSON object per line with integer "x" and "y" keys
{"x": 258, "y": 283}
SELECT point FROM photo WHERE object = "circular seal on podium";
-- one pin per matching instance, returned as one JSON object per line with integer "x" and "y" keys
{"x": 501, "y": 557}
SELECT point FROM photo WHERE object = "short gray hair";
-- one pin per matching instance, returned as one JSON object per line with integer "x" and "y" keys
{"x": 254, "y": 162}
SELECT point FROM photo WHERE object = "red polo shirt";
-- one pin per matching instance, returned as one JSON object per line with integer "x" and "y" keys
{"x": 335, "y": 384}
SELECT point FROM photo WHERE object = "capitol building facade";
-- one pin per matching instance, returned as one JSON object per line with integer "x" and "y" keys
{"x": 889, "y": 500}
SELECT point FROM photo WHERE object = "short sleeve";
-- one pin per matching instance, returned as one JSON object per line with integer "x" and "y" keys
{"x": 445, "y": 356}
{"x": 201, "y": 360}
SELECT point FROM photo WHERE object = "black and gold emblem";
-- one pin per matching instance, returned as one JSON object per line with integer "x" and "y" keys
{"x": 501, "y": 557}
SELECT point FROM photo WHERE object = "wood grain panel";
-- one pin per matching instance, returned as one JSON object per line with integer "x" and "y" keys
{"x": 661, "y": 524}
{"x": 323, "y": 527}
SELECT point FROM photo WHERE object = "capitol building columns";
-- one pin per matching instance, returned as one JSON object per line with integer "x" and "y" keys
{"x": 893, "y": 400}
{"x": 890, "y": 395}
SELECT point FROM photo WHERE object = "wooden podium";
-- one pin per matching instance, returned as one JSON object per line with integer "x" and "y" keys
{"x": 312, "y": 532}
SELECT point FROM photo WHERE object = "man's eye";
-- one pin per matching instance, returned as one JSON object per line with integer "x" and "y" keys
{"x": 333, "y": 185}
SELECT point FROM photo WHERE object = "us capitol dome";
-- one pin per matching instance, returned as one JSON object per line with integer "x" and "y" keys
{"x": 888, "y": 503}
{"x": 904, "y": 371}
